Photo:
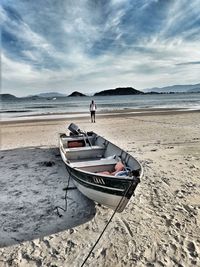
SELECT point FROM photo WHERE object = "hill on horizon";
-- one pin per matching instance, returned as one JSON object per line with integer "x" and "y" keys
{"x": 76, "y": 93}
{"x": 185, "y": 88}
{"x": 7, "y": 97}
{"x": 119, "y": 91}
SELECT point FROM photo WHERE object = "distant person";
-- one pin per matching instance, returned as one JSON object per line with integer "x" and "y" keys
{"x": 93, "y": 109}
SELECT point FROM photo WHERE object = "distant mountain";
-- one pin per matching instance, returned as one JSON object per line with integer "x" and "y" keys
{"x": 31, "y": 97}
{"x": 152, "y": 93}
{"x": 119, "y": 91}
{"x": 75, "y": 93}
{"x": 5, "y": 97}
{"x": 194, "y": 90}
{"x": 51, "y": 94}
{"x": 175, "y": 89}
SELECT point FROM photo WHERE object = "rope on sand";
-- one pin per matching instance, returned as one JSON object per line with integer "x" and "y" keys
{"x": 66, "y": 190}
{"x": 90, "y": 252}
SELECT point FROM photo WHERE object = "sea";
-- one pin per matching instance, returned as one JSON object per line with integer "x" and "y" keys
{"x": 23, "y": 108}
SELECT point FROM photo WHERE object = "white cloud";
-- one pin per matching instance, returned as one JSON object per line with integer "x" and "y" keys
{"x": 2, "y": 15}
{"x": 148, "y": 60}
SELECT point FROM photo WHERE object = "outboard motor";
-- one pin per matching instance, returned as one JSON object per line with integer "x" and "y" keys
{"x": 74, "y": 129}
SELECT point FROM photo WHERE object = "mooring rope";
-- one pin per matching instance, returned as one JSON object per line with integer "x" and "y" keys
{"x": 97, "y": 241}
{"x": 65, "y": 198}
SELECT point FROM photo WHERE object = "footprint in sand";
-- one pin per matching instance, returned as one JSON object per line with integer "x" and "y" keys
{"x": 46, "y": 163}
{"x": 15, "y": 193}
{"x": 192, "y": 249}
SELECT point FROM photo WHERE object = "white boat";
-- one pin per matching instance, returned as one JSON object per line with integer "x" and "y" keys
{"x": 100, "y": 170}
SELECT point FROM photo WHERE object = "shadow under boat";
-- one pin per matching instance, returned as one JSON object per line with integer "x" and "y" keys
{"x": 31, "y": 187}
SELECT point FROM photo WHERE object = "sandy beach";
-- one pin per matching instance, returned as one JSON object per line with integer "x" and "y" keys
{"x": 160, "y": 225}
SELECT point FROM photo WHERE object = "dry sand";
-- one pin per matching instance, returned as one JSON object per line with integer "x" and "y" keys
{"x": 160, "y": 225}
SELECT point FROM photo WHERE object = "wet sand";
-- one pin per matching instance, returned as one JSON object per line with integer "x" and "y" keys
{"x": 159, "y": 227}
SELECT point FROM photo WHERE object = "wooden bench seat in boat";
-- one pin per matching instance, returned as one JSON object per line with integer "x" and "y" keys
{"x": 84, "y": 148}
{"x": 81, "y": 164}
{"x": 84, "y": 152}
{"x": 95, "y": 165}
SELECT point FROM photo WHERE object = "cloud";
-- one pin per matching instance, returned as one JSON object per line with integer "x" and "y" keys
{"x": 189, "y": 63}
{"x": 91, "y": 45}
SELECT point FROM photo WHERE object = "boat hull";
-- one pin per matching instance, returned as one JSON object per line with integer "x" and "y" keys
{"x": 108, "y": 191}
{"x": 111, "y": 191}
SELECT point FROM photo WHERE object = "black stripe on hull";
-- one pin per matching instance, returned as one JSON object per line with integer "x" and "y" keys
{"x": 112, "y": 186}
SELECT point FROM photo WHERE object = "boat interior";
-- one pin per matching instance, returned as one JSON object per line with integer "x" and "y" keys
{"x": 92, "y": 153}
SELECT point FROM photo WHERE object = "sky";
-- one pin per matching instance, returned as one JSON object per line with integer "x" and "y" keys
{"x": 93, "y": 45}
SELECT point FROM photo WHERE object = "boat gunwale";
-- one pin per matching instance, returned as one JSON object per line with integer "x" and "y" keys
{"x": 129, "y": 178}
{"x": 98, "y": 187}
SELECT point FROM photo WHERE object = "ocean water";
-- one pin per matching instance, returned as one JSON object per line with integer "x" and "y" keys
{"x": 21, "y": 108}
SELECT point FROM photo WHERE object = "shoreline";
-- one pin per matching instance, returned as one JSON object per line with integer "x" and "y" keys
{"x": 113, "y": 113}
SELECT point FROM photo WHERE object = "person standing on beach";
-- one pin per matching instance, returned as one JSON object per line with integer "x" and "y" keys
{"x": 93, "y": 109}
